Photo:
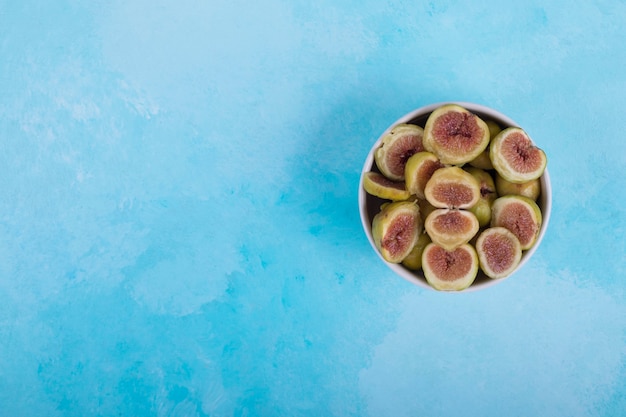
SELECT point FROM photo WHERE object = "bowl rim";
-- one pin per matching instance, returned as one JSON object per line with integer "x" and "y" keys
{"x": 414, "y": 276}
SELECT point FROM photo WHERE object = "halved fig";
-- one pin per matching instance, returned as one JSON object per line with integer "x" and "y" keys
{"x": 515, "y": 157}
{"x": 413, "y": 260}
{"x": 452, "y": 187}
{"x": 483, "y": 161}
{"x": 499, "y": 252}
{"x": 450, "y": 270}
{"x": 455, "y": 134}
{"x": 451, "y": 228}
{"x": 520, "y": 215}
{"x": 418, "y": 170}
{"x": 482, "y": 208}
{"x": 530, "y": 189}
{"x": 402, "y": 142}
{"x": 395, "y": 230}
{"x": 380, "y": 186}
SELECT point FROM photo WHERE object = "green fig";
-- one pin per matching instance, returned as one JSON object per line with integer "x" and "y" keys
{"x": 455, "y": 134}
{"x": 520, "y": 215}
{"x": 395, "y": 230}
{"x": 515, "y": 157}
{"x": 380, "y": 186}
{"x": 450, "y": 270}
{"x": 450, "y": 228}
{"x": 418, "y": 170}
{"x": 530, "y": 189}
{"x": 482, "y": 208}
{"x": 413, "y": 260}
{"x": 397, "y": 146}
{"x": 452, "y": 187}
{"x": 499, "y": 252}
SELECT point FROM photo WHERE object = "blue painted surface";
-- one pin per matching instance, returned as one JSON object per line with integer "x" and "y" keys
{"x": 179, "y": 227}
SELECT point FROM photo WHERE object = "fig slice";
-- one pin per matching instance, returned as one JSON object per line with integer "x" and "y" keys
{"x": 380, "y": 186}
{"x": 515, "y": 157}
{"x": 482, "y": 208}
{"x": 499, "y": 252}
{"x": 520, "y": 215}
{"x": 450, "y": 270}
{"x": 455, "y": 134}
{"x": 395, "y": 230}
{"x": 450, "y": 228}
{"x": 452, "y": 187}
{"x": 398, "y": 145}
{"x": 418, "y": 170}
{"x": 530, "y": 189}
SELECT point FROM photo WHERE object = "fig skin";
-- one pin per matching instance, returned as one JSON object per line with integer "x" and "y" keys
{"x": 483, "y": 161}
{"x": 380, "y": 186}
{"x": 464, "y": 276}
{"x": 482, "y": 209}
{"x": 494, "y": 128}
{"x": 530, "y": 220}
{"x": 418, "y": 170}
{"x": 447, "y": 178}
{"x": 510, "y": 161}
{"x": 413, "y": 260}
{"x": 425, "y": 207}
{"x": 447, "y": 239}
{"x": 450, "y": 143}
{"x": 383, "y": 229}
{"x": 530, "y": 189}
{"x": 485, "y": 182}
{"x": 511, "y": 247}
{"x": 395, "y": 150}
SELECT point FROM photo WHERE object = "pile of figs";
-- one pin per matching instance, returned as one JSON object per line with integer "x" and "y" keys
{"x": 457, "y": 195}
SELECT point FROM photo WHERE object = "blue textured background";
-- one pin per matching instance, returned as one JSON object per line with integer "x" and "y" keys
{"x": 179, "y": 231}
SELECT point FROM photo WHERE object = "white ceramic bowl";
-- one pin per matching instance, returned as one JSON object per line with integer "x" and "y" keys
{"x": 370, "y": 205}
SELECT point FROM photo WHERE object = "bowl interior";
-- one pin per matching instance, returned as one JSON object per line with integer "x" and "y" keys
{"x": 369, "y": 205}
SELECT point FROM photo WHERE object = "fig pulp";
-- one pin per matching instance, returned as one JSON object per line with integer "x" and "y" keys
{"x": 520, "y": 215}
{"x": 499, "y": 252}
{"x": 455, "y": 134}
{"x": 515, "y": 157}
{"x": 395, "y": 230}
{"x": 451, "y": 228}
{"x": 450, "y": 270}
{"x": 452, "y": 187}
{"x": 402, "y": 142}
